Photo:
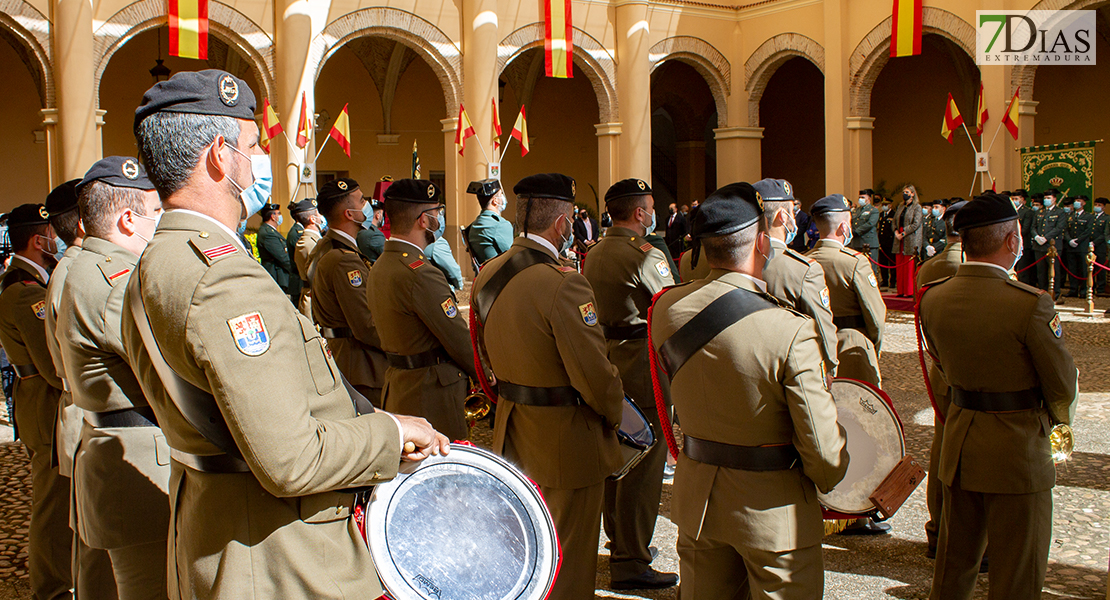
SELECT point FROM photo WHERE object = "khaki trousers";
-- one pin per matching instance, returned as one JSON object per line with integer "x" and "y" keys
{"x": 716, "y": 570}
{"x": 577, "y": 517}
{"x": 92, "y": 572}
{"x": 631, "y": 507}
{"x": 140, "y": 571}
{"x": 934, "y": 489}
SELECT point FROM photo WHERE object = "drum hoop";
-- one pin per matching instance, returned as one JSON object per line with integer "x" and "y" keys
{"x": 376, "y": 511}
{"x": 650, "y": 428}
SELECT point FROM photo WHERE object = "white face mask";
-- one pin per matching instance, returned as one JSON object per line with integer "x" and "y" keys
{"x": 156, "y": 220}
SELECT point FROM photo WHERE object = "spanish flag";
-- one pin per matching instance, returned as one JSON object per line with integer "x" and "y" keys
{"x": 270, "y": 120}
{"x": 558, "y": 49}
{"x": 341, "y": 131}
{"x": 952, "y": 120}
{"x": 263, "y": 139}
{"x": 905, "y": 28}
{"x": 496, "y": 127}
{"x": 463, "y": 130}
{"x": 981, "y": 114}
{"x": 189, "y": 28}
{"x": 304, "y": 131}
{"x": 520, "y": 132}
{"x": 1010, "y": 118}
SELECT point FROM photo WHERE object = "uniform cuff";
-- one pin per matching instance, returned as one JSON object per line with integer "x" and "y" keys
{"x": 400, "y": 431}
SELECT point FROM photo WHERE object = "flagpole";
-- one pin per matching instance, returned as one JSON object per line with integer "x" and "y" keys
{"x": 996, "y": 132}
{"x": 322, "y": 148}
{"x": 969, "y": 138}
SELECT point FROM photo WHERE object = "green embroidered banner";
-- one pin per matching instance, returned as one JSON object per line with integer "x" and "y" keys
{"x": 1069, "y": 168}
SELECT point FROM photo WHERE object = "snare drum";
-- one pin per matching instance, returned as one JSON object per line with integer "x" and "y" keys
{"x": 465, "y": 525}
{"x": 636, "y": 437}
{"x": 875, "y": 445}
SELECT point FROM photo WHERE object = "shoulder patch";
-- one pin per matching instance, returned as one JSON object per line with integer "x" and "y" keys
{"x": 355, "y": 277}
{"x": 825, "y": 296}
{"x": 39, "y": 308}
{"x": 563, "y": 269}
{"x": 449, "y": 308}
{"x": 113, "y": 273}
{"x": 1055, "y": 326}
{"x": 589, "y": 315}
{"x": 646, "y": 247}
{"x": 249, "y": 333}
{"x": 416, "y": 264}
{"x": 871, "y": 280}
{"x": 212, "y": 253}
{"x": 663, "y": 268}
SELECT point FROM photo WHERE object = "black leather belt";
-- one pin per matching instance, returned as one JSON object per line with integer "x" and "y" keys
{"x": 625, "y": 332}
{"x": 128, "y": 417}
{"x": 430, "y": 358}
{"x": 539, "y": 396}
{"x": 997, "y": 401}
{"x": 337, "y": 332}
{"x": 850, "y": 322}
{"x": 745, "y": 458}
{"x": 25, "y": 371}
{"x": 215, "y": 463}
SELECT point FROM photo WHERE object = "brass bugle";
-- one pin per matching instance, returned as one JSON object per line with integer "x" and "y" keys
{"x": 476, "y": 406}
{"x": 1062, "y": 441}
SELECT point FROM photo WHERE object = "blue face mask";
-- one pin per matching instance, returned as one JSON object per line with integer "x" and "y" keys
{"x": 281, "y": 218}
{"x": 651, "y": 227}
{"x": 566, "y": 242}
{"x": 791, "y": 233}
{"x": 848, "y": 238}
{"x": 438, "y": 231}
{"x": 936, "y": 212}
{"x": 1078, "y": 205}
{"x": 1067, "y": 209}
{"x": 242, "y": 228}
{"x": 61, "y": 248}
{"x": 1098, "y": 208}
{"x": 1048, "y": 202}
{"x": 368, "y": 214}
{"x": 323, "y": 224}
{"x": 256, "y": 194}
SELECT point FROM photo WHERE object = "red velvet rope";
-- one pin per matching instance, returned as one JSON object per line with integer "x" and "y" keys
{"x": 1032, "y": 265}
{"x": 1065, "y": 268}
{"x": 877, "y": 263}
{"x": 660, "y": 402}
{"x": 1101, "y": 266}
{"x": 921, "y": 353}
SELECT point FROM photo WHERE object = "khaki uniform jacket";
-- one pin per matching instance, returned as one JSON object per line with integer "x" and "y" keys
{"x": 339, "y": 273}
{"x": 417, "y": 312}
{"x": 543, "y": 332}
{"x": 853, "y": 290}
{"x": 70, "y": 418}
{"x": 282, "y": 530}
{"x": 799, "y": 282}
{"x": 688, "y": 272}
{"x": 940, "y": 266}
{"x": 305, "y": 245}
{"x": 1002, "y": 453}
{"x": 759, "y": 382}
{"x": 121, "y": 476}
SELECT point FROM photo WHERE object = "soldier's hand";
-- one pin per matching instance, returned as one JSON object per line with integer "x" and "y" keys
{"x": 929, "y": 250}
{"x": 1040, "y": 239}
{"x": 420, "y": 439}
{"x": 1073, "y": 243}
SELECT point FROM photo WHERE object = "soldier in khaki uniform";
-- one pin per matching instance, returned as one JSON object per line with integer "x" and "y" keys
{"x": 625, "y": 272}
{"x": 92, "y": 568}
{"x": 269, "y": 439}
{"x": 119, "y": 483}
{"x": 426, "y": 340}
{"x": 1011, "y": 380}
{"x": 560, "y": 399}
{"x": 792, "y": 277}
{"x": 304, "y": 213}
{"x": 857, "y": 306}
{"x": 338, "y": 272}
{"x": 36, "y": 396}
{"x": 306, "y": 243}
{"x": 761, "y": 436}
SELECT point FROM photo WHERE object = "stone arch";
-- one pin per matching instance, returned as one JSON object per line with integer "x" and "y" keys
{"x": 427, "y": 40}
{"x": 590, "y": 56}
{"x": 873, "y": 52}
{"x": 1024, "y": 76}
{"x": 226, "y": 23}
{"x": 28, "y": 31}
{"x": 706, "y": 60}
{"x": 768, "y": 57}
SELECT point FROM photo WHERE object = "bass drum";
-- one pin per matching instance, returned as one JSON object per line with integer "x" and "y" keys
{"x": 466, "y": 525}
{"x": 636, "y": 437}
{"x": 875, "y": 445}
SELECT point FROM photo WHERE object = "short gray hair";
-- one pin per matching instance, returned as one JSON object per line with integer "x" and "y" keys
{"x": 171, "y": 143}
{"x": 986, "y": 240}
{"x": 735, "y": 247}
{"x": 828, "y": 222}
{"x": 542, "y": 214}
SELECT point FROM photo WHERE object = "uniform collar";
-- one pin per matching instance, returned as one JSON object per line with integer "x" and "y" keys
{"x": 830, "y": 242}
{"x": 36, "y": 268}
{"x": 184, "y": 211}
{"x": 982, "y": 269}
{"x": 110, "y": 250}
{"x": 406, "y": 244}
{"x": 542, "y": 241}
{"x": 621, "y": 232}
{"x": 740, "y": 280}
{"x": 777, "y": 243}
{"x": 344, "y": 237}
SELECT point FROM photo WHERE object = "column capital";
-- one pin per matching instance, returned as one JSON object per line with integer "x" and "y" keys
{"x": 449, "y": 125}
{"x": 861, "y": 122}
{"x": 100, "y": 112}
{"x": 1028, "y": 107}
{"x": 49, "y": 116}
{"x": 604, "y": 129}
{"x": 729, "y": 133}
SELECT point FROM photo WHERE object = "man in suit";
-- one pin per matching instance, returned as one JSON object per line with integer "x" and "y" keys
{"x": 490, "y": 234}
{"x": 1010, "y": 380}
{"x": 259, "y": 476}
{"x": 1048, "y": 227}
{"x": 272, "y": 250}
{"x": 1078, "y": 235}
{"x": 865, "y": 220}
{"x": 560, "y": 400}
{"x": 586, "y": 232}
{"x": 760, "y": 428}
{"x": 675, "y": 234}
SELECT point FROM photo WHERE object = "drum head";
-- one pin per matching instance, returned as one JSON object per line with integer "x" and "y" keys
{"x": 875, "y": 445}
{"x": 466, "y": 525}
{"x": 635, "y": 429}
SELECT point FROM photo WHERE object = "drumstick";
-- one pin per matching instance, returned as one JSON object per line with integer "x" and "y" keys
{"x": 410, "y": 447}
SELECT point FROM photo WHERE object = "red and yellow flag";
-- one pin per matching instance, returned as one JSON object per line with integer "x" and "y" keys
{"x": 981, "y": 114}
{"x": 264, "y": 138}
{"x": 520, "y": 132}
{"x": 341, "y": 131}
{"x": 463, "y": 130}
{"x": 189, "y": 28}
{"x": 1010, "y": 118}
{"x": 558, "y": 49}
{"x": 905, "y": 28}
{"x": 270, "y": 120}
{"x": 952, "y": 120}
{"x": 496, "y": 127}
{"x": 303, "y": 126}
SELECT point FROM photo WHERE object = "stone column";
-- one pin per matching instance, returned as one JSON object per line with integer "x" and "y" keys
{"x": 454, "y": 196}
{"x": 690, "y": 157}
{"x": 739, "y": 155}
{"x": 50, "y": 126}
{"x": 634, "y": 90}
{"x": 838, "y": 155}
{"x": 296, "y": 23}
{"x": 860, "y": 164}
{"x": 608, "y": 153}
{"x": 479, "y": 65}
{"x": 79, "y": 139}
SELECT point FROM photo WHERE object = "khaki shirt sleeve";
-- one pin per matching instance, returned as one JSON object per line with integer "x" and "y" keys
{"x": 431, "y": 295}
{"x": 820, "y": 440}
{"x": 352, "y": 299}
{"x": 582, "y": 350}
{"x": 814, "y": 289}
{"x": 33, "y": 331}
{"x": 266, "y": 400}
{"x": 651, "y": 277}
{"x": 1055, "y": 367}
{"x": 871, "y": 302}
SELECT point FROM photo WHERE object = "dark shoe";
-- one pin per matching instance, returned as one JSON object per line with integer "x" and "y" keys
{"x": 866, "y": 527}
{"x": 931, "y": 552}
{"x": 983, "y": 565}
{"x": 648, "y": 580}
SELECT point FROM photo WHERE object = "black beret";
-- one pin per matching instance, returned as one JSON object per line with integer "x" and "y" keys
{"x": 1020, "y": 192}
{"x": 335, "y": 189}
{"x": 26, "y": 215}
{"x": 955, "y": 207}
{"x": 546, "y": 185}
{"x": 984, "y": 210}
{"x": 63, "y": 198}
{"x": 1038, "y": 197}
{"x": 829, "y": 204}
{"x": 116, "y": 171}
{"x": 775, "y": 190}
{"x": 485, "y": 188}
{"x": 270, "y": 206}
{"x": 418, "y": 191}
{"x": 626, "y": 188}
{"x": 1101, "y": 201}
{"x": 945, "y": 201}
{"x": 208, "y": 92}
{"x": 306, "y": 205}
{"x": 732, "y": 208}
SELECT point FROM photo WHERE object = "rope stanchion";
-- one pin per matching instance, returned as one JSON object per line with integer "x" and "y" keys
{"x": 1066, "y": 270}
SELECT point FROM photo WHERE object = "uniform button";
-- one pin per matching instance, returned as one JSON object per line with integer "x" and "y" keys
{"x": 107, "y": 259}
{"x": 377, "y": 474}
{"x": 204, "y": 235}
{"x": 405, "y": 254}
{"x": 421, "y": 256}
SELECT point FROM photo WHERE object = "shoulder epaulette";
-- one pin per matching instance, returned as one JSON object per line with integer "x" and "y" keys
{"x": 1026, "y": 288}
{"x": 932, "y": 284}
{"x": 850, "y": 251}
{"x": 798, "y": 256}
{"x": 17, "y": 275}
{"x": 565, "y": 270}
{"x": 211, "y": 250}
{"x": 645, "y": 247}
{"x": 113, "y": 273}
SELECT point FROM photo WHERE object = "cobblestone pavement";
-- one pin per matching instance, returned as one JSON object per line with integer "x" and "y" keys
{"x": 857, "y": 568}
